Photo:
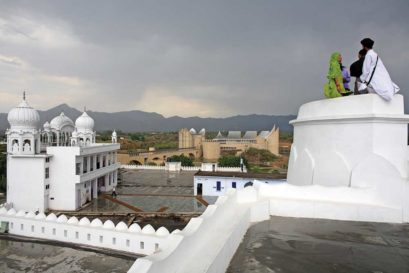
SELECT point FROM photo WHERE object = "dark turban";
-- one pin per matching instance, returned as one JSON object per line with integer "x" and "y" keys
{"x": 367, "y": 42}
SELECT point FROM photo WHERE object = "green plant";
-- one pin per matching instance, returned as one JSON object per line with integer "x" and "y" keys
{"x": 186, "y": 161}
{"x": 231, "y": 161}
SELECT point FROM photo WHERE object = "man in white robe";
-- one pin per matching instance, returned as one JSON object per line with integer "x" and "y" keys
{"x": 381, "y": 82}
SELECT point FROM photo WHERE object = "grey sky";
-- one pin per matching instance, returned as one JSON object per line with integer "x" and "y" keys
{"x": 213, "y": 58}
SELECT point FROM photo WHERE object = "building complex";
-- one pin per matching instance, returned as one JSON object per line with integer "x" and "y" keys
{"x": 58, "y": 167}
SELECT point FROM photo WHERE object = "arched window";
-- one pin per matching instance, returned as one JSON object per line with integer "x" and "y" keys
{"x": 248, "y": 184}
{"x": 15, "y": 146}
{"x": 27, "y": 145}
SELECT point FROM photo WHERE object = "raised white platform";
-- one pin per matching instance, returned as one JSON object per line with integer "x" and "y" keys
{"x": 349, "y": 161}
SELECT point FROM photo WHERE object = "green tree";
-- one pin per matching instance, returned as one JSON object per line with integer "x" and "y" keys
{"x": 231, "y": 161}
{"x": 186, "y": 161}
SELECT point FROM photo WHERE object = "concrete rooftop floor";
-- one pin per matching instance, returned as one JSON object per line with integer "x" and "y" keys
{"x": 296, "y": 245}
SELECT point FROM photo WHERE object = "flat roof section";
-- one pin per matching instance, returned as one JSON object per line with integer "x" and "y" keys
{"x": 243, "y": 175}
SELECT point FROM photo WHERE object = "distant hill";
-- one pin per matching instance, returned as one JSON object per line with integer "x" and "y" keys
{"x": 139, "y": 121}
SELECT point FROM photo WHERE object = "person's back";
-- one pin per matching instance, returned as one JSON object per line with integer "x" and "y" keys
{"x": 356, "y": 69}
{"x": 375, "y": 78}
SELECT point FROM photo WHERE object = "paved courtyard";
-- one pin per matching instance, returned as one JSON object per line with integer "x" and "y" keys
{"x": 295, "y": 245}
{"x": 152, "y": 191}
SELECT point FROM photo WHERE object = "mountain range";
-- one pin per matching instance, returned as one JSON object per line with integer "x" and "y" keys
{"x": 140, "y": 121}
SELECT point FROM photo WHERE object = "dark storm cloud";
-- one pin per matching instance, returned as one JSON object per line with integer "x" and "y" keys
{"x": 188, "y": 58}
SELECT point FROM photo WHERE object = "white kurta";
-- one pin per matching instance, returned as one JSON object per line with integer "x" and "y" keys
{"x": 381, "y": 82}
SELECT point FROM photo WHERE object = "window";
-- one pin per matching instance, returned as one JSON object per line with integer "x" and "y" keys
{"x": 32, "y": 228}
{"x": 42, "y": 229}
{"x": 78, "y": 168}
{"x": 233, "y": 185}
{"x": 218, "y": 186}
{"x": 89, "y": 237}
{"x": 65, "y": 233}
{"x": 142, "y": 245}
{"x": 76, "y": 235}
{"x": 156, "y": 247}
{"x": 91, "y": 163}
{"x": 104, "y": 161}
{"x": 47, "y": 187}
{"x": 113, "y": 240}
{"x": 22, "y": 227}
{"x": 47, "y": 160}
{"x": 128, "y": 243}
{"x": 47, "y": 173}
{"x": 98, "y": 163}
{"x": 85, "y": 165}
{"x": 54, "y": 231}
{"x": 101, "y": 239}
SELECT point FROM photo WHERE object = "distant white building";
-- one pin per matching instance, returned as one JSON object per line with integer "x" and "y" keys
{"x": 59, "y": 167}
{"x": 210, "y": 183}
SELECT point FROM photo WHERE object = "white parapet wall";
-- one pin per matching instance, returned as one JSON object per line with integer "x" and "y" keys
{"x": 143, "y": 241}
{"x": 180, "y": 168}
{"x": 208, "y": 242}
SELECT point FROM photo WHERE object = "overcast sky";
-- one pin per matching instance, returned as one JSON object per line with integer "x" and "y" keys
{"x": 213, "y": 58}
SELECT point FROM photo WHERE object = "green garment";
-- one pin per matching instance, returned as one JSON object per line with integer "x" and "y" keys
{"x": 334, "y": 72}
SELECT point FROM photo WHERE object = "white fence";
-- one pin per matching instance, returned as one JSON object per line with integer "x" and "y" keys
{"x": 144, "y": 167}
{"x": 183, "y": 168}
{"x": 144, "y": 241}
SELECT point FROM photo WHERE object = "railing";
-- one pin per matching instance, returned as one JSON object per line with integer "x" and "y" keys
{"x": 143, "y": 241}
{"x": 144, "y": 167}
{"x": 183, "y": 168}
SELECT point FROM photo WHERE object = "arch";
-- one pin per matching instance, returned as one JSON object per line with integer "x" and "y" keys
{"x": 135, "y": 162}
{"x": 15, "y": 146}
{"x": 27, "y": 145}
{"x": 248, "y": 184}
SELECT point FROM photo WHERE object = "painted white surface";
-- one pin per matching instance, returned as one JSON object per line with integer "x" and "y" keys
{"x": 65, "y": 183}
{"x": 349, "y": 155}
{"x": 209, "y": 184}
{"x": 182, "y": 168}
{"x": 144, "y": 241}
{"x": 26, "y": 183}
{"x": 208, "y": 242}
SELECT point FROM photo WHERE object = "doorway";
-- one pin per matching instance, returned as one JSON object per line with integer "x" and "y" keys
{"x": 199, "y": 189}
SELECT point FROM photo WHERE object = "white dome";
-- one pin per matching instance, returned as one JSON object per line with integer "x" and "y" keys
{"x": 84, "y": 123}
{"x": 61, "y": 121}
{"x": 114, "y": 134}
{"x": 23, "y": 116}
{"x": 75, "y": 133}
{"x": 203, "y": 131}
{"x": 192, "y": 131}
{"x": 46, "y": 126}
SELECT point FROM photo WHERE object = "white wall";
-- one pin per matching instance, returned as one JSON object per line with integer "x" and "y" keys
{"x": 94, "y": 234}
{"x": 208, "y": 242}
{"x": 26, "y": 182}
{"x": 356, "y": 144}
{"x": 63, "y": 178}
{"x": 209, "y": 184}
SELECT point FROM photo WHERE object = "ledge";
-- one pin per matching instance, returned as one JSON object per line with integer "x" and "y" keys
{"x": 366, "y": 106}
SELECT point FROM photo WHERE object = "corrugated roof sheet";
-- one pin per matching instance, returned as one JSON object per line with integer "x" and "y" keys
{"x": 250, "y": 135}
{"x": 234, "y": 135}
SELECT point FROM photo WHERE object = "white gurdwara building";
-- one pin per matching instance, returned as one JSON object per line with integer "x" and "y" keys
{"x": 59, "y": 167}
